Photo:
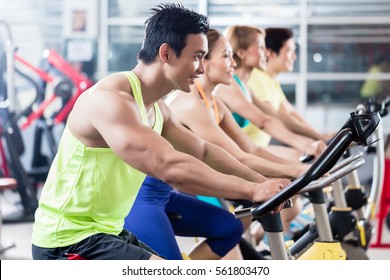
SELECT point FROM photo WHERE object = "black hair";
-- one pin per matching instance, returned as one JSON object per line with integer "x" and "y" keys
{"x": 276, "y": 37}
{"x": 213, "y": 36}
{"x": 170, "y": 23}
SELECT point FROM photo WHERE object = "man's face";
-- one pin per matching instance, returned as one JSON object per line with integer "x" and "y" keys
{"x": 287, "y": 56}
{"x": 183, "y": 70}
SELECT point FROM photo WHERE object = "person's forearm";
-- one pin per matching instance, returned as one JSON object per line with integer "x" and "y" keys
{"x": 192, "y": 176}
{"x": 272, "y": 169}
{"x": 301, "y": 128}
{"x": 220, "y": 160}
{"x": 263, "y": 153}
{"x": 279, "y": 132}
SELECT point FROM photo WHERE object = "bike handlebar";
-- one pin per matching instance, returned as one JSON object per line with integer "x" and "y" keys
{"x": 358, "y": 129}
{"x": 317, "y": 184}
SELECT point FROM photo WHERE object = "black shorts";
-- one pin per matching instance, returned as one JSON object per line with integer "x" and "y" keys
{"x": 101, "y": 246}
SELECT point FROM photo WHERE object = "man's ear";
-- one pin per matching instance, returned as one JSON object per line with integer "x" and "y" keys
{"x": 240, "y": 53}
{"x": 271, "y": 53}
{"x": 164, "y": 52}
{"x": 268, "y": 53}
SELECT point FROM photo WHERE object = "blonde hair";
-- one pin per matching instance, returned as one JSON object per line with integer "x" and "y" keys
{"x": 241, "y": 37}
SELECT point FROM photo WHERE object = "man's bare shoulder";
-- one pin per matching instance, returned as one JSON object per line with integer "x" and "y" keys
{"x": 114, "y": 82}
{"x": 109, "y": 90}
{"x": 108, "y": 101}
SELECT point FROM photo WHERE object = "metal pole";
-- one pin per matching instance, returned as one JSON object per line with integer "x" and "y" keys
{"x": 9, "y": 51}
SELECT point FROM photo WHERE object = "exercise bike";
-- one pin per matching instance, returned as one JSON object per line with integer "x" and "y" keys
{"x": 358, "y": 129}
{"x": 352, "y": 208}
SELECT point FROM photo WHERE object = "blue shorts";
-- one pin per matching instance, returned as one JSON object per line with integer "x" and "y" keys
{"x": 157, "y": 201}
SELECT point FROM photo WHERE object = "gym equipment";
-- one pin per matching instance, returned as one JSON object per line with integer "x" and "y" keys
{"x": 362, "y": 200}
{"x": 358, "y": 129}
{"x": 326, "y": 247}
{"x": 339, "y": 220}
{"x": 9, "y": 130}
{"x": 381, "y": 180}
{"x": 352, "y": 213}
{"x": 5, "y": 184}
{"x": 67, "y": 89}
{"x": 67, "y": 84}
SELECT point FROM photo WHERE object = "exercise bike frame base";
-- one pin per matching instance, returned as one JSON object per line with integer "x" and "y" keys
{"x": 331, "y": 250}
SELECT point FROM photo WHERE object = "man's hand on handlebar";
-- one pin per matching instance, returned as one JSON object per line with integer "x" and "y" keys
{"x": 327, "y": 137}
{"x": 316, "y": 148}
{"x": 270, "y": 188}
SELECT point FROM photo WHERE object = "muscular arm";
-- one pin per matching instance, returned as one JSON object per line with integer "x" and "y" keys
{"x": 291, "y": 119}
{"x": 236, "y": 102}
{"x": 116, "y": 120}
{"x": 213, "y": 183}
{"x": 296, "y": 123}
{"x": 212, "y": 154}
{"x": 193, "y": 114}
{"x": 280, "y": 167}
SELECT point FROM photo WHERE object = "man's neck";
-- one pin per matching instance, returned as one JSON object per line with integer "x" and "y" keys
{"x": 272, "y": 70}
{"x": 153, "y": 83}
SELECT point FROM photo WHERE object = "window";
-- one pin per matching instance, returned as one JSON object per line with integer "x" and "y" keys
{"x": 124, "y": 45}
{"x": 337, "y": 43}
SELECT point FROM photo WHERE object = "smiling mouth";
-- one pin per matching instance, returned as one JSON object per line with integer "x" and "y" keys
{"x": 192, "y": 78}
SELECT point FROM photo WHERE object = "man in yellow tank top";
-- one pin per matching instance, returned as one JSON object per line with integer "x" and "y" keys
{"x": 118, "y": 131}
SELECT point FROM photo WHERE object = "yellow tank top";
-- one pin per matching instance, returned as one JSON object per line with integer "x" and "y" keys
{"x": 265, "y": 88}
{"x": 88, "y": 190}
